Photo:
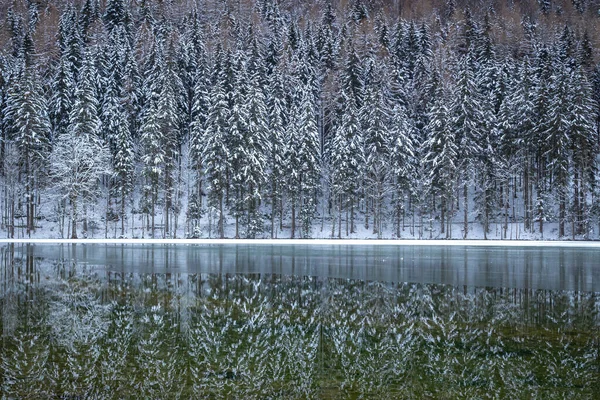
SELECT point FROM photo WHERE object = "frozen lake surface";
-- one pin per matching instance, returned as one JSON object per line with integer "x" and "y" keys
{"x": 302, "y": 319}
{"x": 527, "y": 265}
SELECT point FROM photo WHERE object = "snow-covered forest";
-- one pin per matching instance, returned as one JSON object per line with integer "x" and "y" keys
{"x": 267, "y": 118}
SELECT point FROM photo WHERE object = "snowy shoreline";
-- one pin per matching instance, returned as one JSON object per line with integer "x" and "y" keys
{"x": 321, "y": 242}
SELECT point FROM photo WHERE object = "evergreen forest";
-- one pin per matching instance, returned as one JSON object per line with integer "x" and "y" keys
{"x": 273, "y": 118}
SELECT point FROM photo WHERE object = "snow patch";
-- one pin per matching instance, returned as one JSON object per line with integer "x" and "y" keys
{"x": 319, "y": 242}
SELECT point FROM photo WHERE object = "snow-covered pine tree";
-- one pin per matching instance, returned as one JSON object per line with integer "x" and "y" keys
{"x": 347, "y": 160}
{"x": 516, "y": 142}
{"x": 238, "y": 126}
{"x": 402, "y": 155}
{"x": 558, "y": 136}
{"x": 85, "y": 129}
{"x": 123, "y": 164}
{"x": 26, "y": 119}
{"x": 491, "y": 86}
{"x": 278, "y": 124}
{"x": 585, "y": 148}
{"x": 84, "y": 118}
{"x": 120, "y": 141}
{"x": 308, "y": 157}
{"x": 440, "y": 160}
{"x": 210, "y": 147}
{"x": 90, "y": 12}
{"x": 467, "y": 121}
{"x": 70, "y": 41}
{"x": 196, "y": 73}
{"x": 543, "y": 70}
{"x": 375, "y": 119}
{"x": 116, "y": 14}
{"x": 61, "y": 102}
{"x": 256, "y": 150}
{"x": 152, "y": 156}
{"x": 168, "y": 118}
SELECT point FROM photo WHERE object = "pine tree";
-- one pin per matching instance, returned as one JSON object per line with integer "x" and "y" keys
{"x": 118, "y": 135}
{"x": 89, "y": 14}
{"x": 585, "y": 148}
{"x": 61, "y": 102}
{"x": 557, "y": 134}
{"x": 238, "y": 126}
{"x": 278, "y": 122}
{"x": 116, "y": 14}
{"x": 441, "y": 160}
{"x": 70, "y": 42}
{"x": 161, "y": 137}
{"x": 375, "y": 119}
{"x": 168, "y": 120}
{"x": 84, "y": 118}
{"x": 257, "y": 149}
{"x": 198, "y": 116}
{"x": 347, "y": 160}
{"x": 516, "y": 142}
{"x": 85, "y": 129}
{"x": 403, "y": 152}
{"x": 303, "y": 160}
{"x": 152, "y": 156}
{"x": 467, "y": 122}
{"x": 26, "y": 117}
{"x": 211, "y": 146}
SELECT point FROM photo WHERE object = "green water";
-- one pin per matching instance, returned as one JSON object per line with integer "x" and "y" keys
{"x": 75, "y": 329}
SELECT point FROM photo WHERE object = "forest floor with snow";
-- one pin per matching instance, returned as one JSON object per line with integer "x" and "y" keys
{"x": 52, "y": 227}
{"x": 50, "y": 231}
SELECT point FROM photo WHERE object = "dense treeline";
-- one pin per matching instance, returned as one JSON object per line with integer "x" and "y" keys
{"x": 267, "y": 114}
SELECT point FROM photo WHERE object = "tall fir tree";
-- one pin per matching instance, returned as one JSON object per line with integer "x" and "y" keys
{"x": 26, "y": 116}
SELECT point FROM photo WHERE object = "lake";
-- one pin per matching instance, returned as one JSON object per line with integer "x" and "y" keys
{"x": 298, "y": 321}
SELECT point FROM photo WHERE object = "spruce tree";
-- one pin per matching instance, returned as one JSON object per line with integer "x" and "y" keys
{"x": 211, "y": 146}
{"x": 278, "y": 123}
{"x": 441, "y": 160}
{"x": 26, "y": 117}
{"x": 467, "y": 121}
{"x": 347, "y": 160}
{"x": 376, "y": 121}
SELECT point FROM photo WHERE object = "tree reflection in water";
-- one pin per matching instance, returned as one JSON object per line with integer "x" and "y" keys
{"x": 72, "y": 330}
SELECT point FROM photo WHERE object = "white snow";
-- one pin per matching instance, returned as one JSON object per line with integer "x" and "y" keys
{"x": 319, "y": 242}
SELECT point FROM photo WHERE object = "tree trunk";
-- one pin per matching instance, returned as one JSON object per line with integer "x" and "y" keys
{"x": 29, "y": 202}
{"x": 122, "y": 213}
{"x": 466, "y": 211}
{"x": 221, "y": 217}
{"x": 449, "y": 220}
{"x": 347, "y": 220}
{"x": 293, "y": 233}
{"x": 506, "y": 210}
{"x": 352, "y": 230}
{"x": 443, "y": 216}
{"x": 273, "y": 201}
{"x": 237, "y": 225}
{"x": 73, "y": 218}
{"x": 367, "y": 211}
{"x": 526, "y": 195}
{"x": 85, "y": 221}
{"x": 153, "y": 212}
{"x": 541, "y": 214}
{"x": 167, "y": 207}
{"x": 398, "y": 217}
{"x": 340, "y": 217}
{"x": 281, "y": 213}
{"x": 561, "y": 216}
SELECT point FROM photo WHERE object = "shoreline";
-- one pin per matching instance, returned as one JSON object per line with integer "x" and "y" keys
{"x": 321, "y": 242}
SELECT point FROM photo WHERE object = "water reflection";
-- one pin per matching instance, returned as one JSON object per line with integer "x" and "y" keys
{"x": 244, "y": 323}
